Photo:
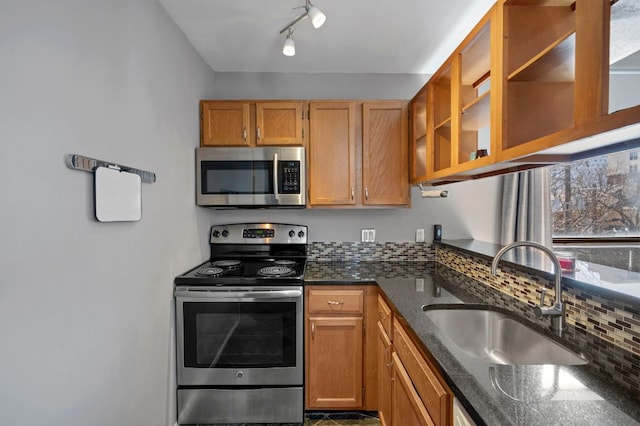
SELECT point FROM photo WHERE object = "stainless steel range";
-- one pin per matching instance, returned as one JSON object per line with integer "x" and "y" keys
{"x": 239, "y": 320}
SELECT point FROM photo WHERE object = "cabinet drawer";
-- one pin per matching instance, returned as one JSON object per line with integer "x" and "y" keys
{"x": 436, "y": 398}
{"x": 384, "y": 316}
{"x": 336, "y": 301}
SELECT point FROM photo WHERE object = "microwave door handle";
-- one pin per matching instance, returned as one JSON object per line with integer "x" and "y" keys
{"x": 275, "y": 178}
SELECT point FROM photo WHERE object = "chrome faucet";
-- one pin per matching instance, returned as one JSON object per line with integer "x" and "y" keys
{"x": 557, "y": 311}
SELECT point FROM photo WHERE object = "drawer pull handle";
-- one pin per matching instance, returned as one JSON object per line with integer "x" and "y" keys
{"x": 331, "y": 302}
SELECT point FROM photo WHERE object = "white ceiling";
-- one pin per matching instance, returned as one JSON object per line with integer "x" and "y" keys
{"x": 359, "y": 36}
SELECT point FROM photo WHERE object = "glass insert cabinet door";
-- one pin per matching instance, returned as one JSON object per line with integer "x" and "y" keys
{"x": 239, "y": 334}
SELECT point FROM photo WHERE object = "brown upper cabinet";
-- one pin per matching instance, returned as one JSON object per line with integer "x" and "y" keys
{"x": 458, "y": 100}
{"x": 385, "y": 174}
{"x": 418, "y": 130}
{"x": 246, "y": 123}
{"x": 358, "y": 154}
{"x": 528, "y": 87}
{"x": 332, "y": 153}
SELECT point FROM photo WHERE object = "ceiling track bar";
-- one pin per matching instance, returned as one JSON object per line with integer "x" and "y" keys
{"x": 295, "y": 21}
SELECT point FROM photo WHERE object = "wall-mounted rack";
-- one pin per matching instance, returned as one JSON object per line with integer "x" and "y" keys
{"x": 86, "y": 164}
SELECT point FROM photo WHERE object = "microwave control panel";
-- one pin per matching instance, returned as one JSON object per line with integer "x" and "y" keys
{"x": 289, "y": 179}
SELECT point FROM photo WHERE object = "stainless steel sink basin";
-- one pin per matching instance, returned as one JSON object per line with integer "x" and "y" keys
{"x": 499, "y": 339}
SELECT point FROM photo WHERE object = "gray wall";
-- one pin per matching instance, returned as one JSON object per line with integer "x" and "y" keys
{"x": 235, "y": 85}
{"x": 85, "y": 307}
{"x": 471, "y": 211}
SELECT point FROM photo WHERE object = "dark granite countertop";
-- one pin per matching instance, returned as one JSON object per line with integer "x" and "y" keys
{"x": 492, "y": 394}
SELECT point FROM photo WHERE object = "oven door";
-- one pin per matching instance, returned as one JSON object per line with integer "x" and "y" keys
{"x": 250, "y": 177}
{"x": 239, "y": 336}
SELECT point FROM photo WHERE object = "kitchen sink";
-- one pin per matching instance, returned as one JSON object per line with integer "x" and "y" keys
{"x": 497, "y": 337}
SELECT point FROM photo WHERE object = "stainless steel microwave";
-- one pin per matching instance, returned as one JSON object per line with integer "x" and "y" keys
{"x": 250, "y": 177}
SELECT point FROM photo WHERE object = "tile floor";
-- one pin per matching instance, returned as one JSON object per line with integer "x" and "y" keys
{"x": 341, "y": 419}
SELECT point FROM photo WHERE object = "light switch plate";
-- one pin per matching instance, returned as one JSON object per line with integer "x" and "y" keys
{"x": 420, "y": 235}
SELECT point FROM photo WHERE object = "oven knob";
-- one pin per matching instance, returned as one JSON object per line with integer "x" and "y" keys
{"x": 240, "y": 374}
{"x": 216, "y": 234}
{"x": 301, "y": 234}
{"x": 225, "y": 233}
{"x": 292, "y": 233}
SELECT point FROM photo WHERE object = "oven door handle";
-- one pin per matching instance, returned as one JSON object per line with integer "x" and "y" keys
{"x": 221, "y": 294}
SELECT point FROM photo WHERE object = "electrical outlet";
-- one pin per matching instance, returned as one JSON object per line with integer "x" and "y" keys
{"x": 368, "y": 235}
{"x": 420, "y": 235}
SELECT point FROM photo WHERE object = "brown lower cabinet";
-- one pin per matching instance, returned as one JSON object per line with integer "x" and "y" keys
{"x": 384, "y": 376}
{"x": 360, "y": 356}
{"x": 334, "y": 373}
{"x": 407, "y": 409}
{"x": 338, "y": 367}
{"x": 410, "y": 390}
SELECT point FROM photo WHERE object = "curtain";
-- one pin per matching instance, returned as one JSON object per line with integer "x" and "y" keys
{"x": 526, "y": 207}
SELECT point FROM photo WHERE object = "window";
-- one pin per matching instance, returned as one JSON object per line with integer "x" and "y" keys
{"x": 595, "y": 205}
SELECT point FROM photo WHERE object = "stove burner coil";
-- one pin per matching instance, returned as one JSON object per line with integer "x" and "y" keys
{"x": 209, "y": 271}
{"x": 227, "y": 263}
{"x": 275, "y": 271}
{"x": 284, "y": 262}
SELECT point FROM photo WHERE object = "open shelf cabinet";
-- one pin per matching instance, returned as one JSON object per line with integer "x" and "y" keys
{"x": 528, "y": 87}
{"x": 459, "y": 130}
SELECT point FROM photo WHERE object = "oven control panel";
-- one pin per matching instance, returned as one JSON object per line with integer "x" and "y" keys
{"x": 258, "y": 233}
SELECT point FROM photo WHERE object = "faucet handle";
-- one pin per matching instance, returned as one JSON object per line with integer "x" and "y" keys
{"x": 543, "y": 293}
{"x": 540, "y": 310}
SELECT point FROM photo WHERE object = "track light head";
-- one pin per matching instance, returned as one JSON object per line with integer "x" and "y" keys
{"x": 316, "y": 15}
{"x": 289, "y": 48}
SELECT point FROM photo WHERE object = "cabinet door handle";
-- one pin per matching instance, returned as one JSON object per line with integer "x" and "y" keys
{"x": 331, "y": 302}
{"x": 386, "y": 357}
{"x": 244, "y": 133}
{"x": 366, "y": 193}
{"x": 313, "y": 330}
{"x": 353, "y": 193}
{"x": 259, "y": 133}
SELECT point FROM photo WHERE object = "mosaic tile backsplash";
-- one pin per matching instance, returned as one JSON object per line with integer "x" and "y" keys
{"x": 614, "y": 322}
{"x": 364, "y": 252}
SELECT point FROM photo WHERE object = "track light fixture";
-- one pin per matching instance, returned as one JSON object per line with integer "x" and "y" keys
{"x": 317, "y": 20}
{"x": 289, "y": 48}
